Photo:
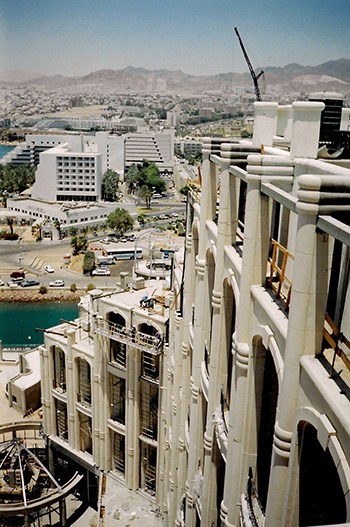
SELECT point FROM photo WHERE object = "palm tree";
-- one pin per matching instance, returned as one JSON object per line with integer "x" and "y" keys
{"x": 57, "y": 225}
{"x": 147, "y": 193}
{"x": 10, "y": 222}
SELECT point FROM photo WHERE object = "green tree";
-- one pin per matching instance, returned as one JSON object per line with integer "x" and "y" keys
{"x": 79, "y": 244}
{"x": 146, "y": 193}
{"x": 14, "y": 179}
{"x": 132, "y": 178}
{"x": 120, "y": 221}
{"x": 73, "y": 231}
{"x": 141, "y": 219}
{"x": 110, "y": 182}
{"x": 184, "y": 190}
{"x": 89, "y": 262}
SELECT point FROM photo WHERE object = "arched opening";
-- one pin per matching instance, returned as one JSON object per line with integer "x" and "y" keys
{"x": 228, "y": 329}
{"x": 266, "y": 395}
{"x": 321, "y": 497}
{"x": 219, "y": 474}
{"x": 208, "y": 309}
{"x": 117, "y": 349}
{"x": 84, "y": 382}
{"x": 59, "y": 369}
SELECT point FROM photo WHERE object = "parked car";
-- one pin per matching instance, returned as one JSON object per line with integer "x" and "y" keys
{"x": 13, "y": 284}
{"x": 17, "y": 280}
{"x": 29, "y": 283}
{"x": 56, "y": 283}
{"x": 49, "y": 269}
{"x": 2, "y": 283}
{"x": 101, "y": 271}
{"x": 17, "y": 274}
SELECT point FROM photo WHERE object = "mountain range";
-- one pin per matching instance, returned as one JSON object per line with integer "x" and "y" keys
{"x": 333, "y": 75}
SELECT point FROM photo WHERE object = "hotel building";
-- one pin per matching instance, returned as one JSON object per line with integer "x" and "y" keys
{"x": 239, "y": 415}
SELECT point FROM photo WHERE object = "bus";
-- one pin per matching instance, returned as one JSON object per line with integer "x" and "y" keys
{"x": 124, "y": 253}
{"x": 104, "y": 260}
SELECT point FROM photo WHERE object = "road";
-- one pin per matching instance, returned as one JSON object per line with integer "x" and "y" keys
{"x": 33, "y": 256}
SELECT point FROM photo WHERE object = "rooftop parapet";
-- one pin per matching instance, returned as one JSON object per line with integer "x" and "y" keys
{"x": 306, "y": 128}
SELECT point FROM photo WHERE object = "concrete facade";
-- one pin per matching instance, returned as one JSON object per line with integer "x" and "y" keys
{"x": 157, "y": 147}
{"x": 253, "y": 397}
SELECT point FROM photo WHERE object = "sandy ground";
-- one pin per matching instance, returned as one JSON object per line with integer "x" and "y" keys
{"x": 20, "y": 295}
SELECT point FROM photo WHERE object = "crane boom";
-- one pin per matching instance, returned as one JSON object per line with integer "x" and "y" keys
{"x": 251, "y": 69}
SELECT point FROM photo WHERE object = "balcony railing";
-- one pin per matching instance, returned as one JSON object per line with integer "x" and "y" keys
{"x": 277, "y": 279}
{"x": 252, "y": 513}
{"x": 336, "y": 352}
{"x": 142, "y": 341}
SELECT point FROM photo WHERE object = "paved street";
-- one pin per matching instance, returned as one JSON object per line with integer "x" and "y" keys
{"x": 34, "y": 256}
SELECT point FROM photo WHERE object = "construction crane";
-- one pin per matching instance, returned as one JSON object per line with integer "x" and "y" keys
{"x": 251, "y": 69}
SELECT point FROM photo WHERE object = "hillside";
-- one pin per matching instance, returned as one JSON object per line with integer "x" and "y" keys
{"x": 332, "y": 76}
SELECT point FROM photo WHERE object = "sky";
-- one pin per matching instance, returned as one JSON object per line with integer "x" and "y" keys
{"x": 76, "y": 37}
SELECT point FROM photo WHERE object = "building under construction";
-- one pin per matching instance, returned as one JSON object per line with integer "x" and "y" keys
{"x": 224, "y": 393}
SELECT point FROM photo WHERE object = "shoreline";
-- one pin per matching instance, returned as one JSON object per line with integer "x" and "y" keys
{"x": 20, "y": 295}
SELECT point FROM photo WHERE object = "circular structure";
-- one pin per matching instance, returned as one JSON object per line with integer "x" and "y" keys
{"x": 160, "y": 247}
{"x": 28, "y": 489}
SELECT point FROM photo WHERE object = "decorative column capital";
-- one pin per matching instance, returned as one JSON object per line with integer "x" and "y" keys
{"x": 282, "y": 441}
{"x": 216, "y": 299}
{"x": 241, "y": 351}
{"x": 207, "y": 442}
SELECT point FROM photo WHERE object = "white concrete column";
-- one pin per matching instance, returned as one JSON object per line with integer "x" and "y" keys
{"x": 168, "y": 374}
{"x": 306, "y": 128}
{"x": 106, "y": 462}
{"x": 132, "y": 419}
{"x": 307, "y": 303}
{"x": 176, "y": 413}
{"x": 255, "y": 252}
{"x": 45, "y": 388}
{"x": 196, "y": 435}
{"x": 96, "y": 396}
{"x": 217, "y": 347}
{"x": 265, "y": 123}
{"x": 73, "y": 425}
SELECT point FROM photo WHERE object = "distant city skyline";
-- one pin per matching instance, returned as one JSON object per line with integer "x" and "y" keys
{"x": 76, "y": 37}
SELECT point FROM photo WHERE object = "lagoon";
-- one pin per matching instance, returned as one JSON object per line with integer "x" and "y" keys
{"x": 4, "y": 149}
{"x": 19, "y": 320}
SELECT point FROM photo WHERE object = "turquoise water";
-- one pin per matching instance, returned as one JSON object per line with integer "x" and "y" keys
{"x": 4, "y": 149}
{"x": 18, "y": 321}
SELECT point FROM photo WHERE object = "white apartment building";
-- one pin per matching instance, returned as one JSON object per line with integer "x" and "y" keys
{"x": 157, "y": 147}
{"x": 188, "y": 147}
{"x": 65, "y": 175}
{"x": 241, "y": 417}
